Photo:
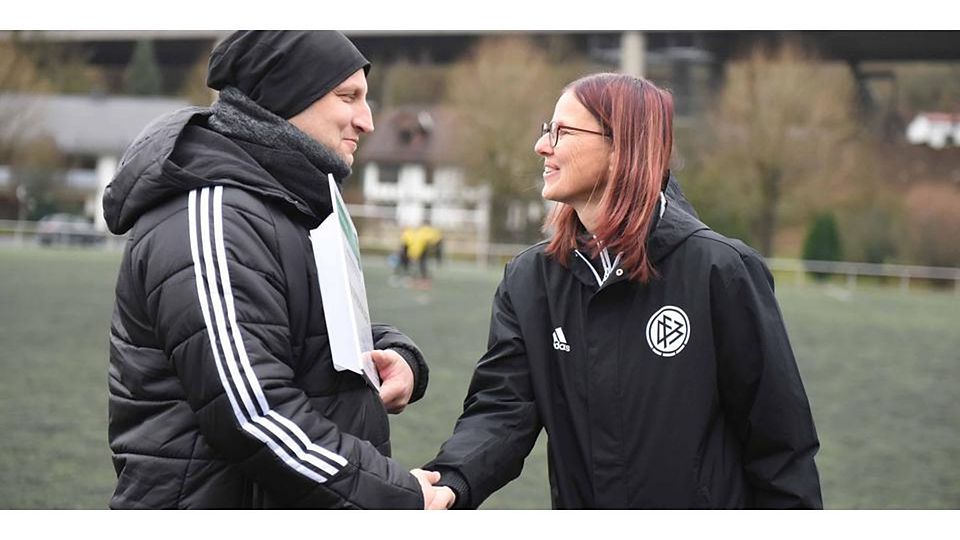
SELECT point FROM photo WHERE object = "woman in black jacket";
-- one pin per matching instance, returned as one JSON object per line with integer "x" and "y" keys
{"x": 650, "y": 348}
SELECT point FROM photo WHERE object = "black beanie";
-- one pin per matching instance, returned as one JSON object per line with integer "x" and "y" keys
{"x": 284, "y": 71}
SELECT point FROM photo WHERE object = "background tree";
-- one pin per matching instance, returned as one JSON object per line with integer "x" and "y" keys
{"x": 502, "y": 93}
{"x": 18, "y": 75}
{"x": 194, "y": 87}
{"x": 823, "y": 241}
{"x": 407, "y": 83}
{"x": 871, "y": 224}
{"x": 39, "y": 168}
{"x": 928, "y": 87}
{"x": 28, "y": 70}
{"x": 932, "y": 225}
{"x": 142, "y": 76}
{"x": 779, "y": 129}
{"x": 65, "y": 69}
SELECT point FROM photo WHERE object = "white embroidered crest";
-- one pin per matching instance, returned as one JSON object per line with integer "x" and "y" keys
{"x": 668, "y": 331}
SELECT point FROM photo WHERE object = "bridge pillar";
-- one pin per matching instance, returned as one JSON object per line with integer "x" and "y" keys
{"x": 633, "y": 45}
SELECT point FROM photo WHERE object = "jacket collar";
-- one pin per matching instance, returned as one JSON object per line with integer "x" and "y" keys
{"x": 672, "y": 226}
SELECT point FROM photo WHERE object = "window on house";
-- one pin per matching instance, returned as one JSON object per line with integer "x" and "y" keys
{"x": 82, "y": 161}
{"x": 389, "y": 174}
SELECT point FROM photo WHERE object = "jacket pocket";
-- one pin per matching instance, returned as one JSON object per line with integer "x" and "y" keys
{"x": 356, "y": 409}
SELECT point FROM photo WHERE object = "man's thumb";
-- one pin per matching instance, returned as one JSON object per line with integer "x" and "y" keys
{"x": 380, "y": 359}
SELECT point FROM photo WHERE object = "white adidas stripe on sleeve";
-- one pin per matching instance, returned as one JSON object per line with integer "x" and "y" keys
{"x": 253, "y": 413}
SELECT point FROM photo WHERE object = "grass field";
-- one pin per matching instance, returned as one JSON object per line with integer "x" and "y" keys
{"x": 881, "y": 368}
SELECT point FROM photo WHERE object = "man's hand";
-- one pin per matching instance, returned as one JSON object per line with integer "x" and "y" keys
{"x": 434, "y": 498}
{"x": 396, "y": 379}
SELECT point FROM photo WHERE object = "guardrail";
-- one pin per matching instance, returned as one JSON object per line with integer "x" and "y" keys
{"x": 854, "y": 270}
{"x": 63, "y": 232}
{"x": 26, "y": 232}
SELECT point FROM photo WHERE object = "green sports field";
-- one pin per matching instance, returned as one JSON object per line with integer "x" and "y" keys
{"x": 881, "y": 368}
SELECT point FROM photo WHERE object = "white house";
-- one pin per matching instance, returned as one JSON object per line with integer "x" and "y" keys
{"x": 92, "y": 131}
{"x": 936, "y": 130}
{"x": 410, "y": 165}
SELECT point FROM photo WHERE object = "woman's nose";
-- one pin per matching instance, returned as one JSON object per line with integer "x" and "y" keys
{"x": 542, "y": 146}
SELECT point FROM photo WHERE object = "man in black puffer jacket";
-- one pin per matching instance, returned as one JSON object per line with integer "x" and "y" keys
{"x": 223, "y": 393}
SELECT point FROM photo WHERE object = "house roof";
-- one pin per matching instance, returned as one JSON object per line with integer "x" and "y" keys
{"x": 412, "y": 133}
{"x": 85, "y": 124}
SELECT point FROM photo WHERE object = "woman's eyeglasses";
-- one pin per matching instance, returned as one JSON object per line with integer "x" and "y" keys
{"x": 553, "y": 129}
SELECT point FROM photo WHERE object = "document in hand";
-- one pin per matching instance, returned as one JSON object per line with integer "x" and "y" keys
{"x": 336, "y": 250}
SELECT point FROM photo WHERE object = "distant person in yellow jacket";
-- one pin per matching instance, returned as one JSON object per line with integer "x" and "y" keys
{"x": 418, "y": 244}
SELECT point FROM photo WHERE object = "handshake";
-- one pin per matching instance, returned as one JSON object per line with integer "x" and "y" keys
{"x": 434, "y": 497}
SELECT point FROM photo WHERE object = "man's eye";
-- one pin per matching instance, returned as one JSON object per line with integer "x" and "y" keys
{"x": 348, "y": 97}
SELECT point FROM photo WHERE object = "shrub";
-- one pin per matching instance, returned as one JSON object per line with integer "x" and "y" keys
{"x": 822, "y": 242}
{"x": 932, "y": 225}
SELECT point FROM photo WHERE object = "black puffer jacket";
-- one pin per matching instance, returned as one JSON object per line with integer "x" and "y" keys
{"x": 222, "y": 389}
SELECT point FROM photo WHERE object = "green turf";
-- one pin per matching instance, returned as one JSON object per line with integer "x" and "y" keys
{"x": 53, "y": 403}
{"x": 882, "y": 370}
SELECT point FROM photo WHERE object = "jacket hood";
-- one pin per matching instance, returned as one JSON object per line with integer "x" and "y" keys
{"x": 671, "y": 230}
{"x": 178, "y": 152}
{"x": 677, "y": 223}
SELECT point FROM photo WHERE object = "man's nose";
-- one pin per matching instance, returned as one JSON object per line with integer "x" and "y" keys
{"x": 363, "y": 121}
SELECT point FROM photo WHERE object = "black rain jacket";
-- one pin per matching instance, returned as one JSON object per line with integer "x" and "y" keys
{"x": 222, "y": 392}
{"x": 682, "y": 393}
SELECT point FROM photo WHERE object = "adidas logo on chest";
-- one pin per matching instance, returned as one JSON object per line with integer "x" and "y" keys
{"x": 560, "y": 340}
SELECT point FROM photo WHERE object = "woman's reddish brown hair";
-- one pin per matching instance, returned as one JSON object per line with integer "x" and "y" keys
{"x": 638, "y": 119}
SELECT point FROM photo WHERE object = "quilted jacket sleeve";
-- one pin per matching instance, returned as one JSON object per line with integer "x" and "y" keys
{"x": 223, "y": 320}
{"x": 388, "y": 337}
{"x": 760, "y": 387}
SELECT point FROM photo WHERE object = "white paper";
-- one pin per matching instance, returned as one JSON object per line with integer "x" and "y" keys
{"x": 336, "y": 250}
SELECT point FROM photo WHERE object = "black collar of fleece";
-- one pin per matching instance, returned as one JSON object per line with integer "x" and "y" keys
{"x": 240, "y": 118}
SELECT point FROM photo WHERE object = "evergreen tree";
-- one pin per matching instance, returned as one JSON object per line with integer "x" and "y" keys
{"x": 142, "y": 76}
{"x": 822, "y": 242}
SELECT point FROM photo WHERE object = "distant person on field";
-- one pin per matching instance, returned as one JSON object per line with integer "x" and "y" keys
{"x": 650, "y": 348}
{"x": 418, "y": 244}
{"x": 222, "y": 389}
